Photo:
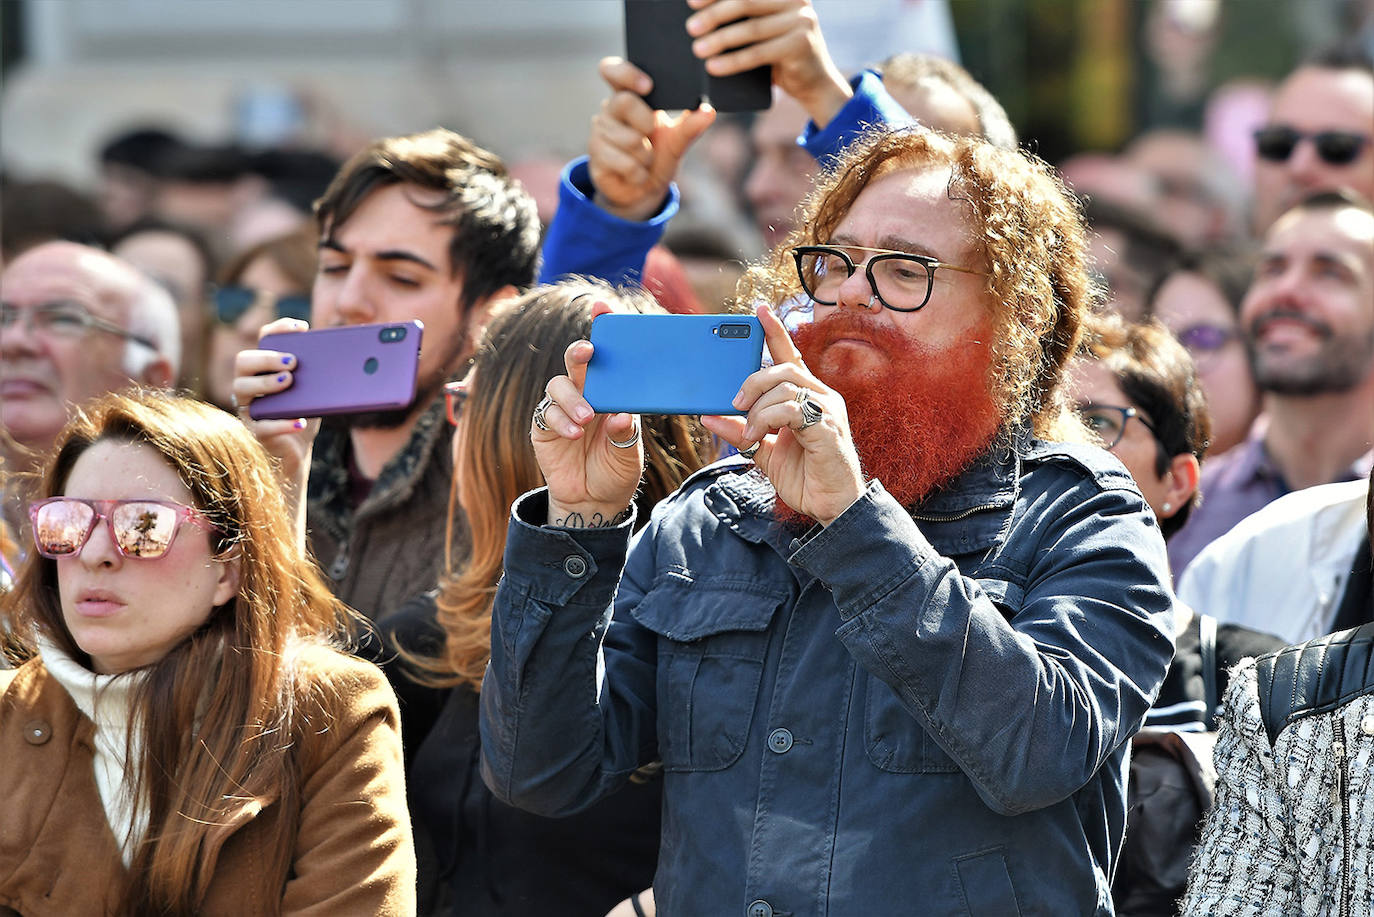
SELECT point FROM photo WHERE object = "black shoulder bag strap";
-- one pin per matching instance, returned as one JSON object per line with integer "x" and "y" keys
{"x": 1207, "y": 646}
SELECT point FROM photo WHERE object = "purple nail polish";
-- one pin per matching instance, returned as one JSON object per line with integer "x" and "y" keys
{"x": 285, "y": 361}
{"x": 299, "y": 424}
{"x": 282, "y": 377}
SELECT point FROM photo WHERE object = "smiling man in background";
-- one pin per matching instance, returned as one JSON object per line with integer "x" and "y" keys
{"x": 1308, "y": 324}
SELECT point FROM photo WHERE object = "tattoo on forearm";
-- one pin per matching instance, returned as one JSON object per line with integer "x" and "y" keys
{"x": 597, "y": 521}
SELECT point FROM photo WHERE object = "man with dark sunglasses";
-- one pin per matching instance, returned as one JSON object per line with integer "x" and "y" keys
{"x": 75, "y": 322}
{"x": 1320, "y": 133}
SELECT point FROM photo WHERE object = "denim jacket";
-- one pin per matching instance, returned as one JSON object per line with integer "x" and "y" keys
{"x": 904, "y": 712}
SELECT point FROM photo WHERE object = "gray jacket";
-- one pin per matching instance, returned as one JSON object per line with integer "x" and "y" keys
{"x": 1291, "y": 829}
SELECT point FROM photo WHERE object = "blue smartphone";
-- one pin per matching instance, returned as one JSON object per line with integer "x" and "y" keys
{"x": 671, "y": 364}
{"x": 345, "y": 370}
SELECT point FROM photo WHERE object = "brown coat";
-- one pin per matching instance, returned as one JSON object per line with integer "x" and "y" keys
{"x": 353, "y": 855}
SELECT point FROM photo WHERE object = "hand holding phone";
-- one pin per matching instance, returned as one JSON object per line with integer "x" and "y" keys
{"x": 657, "y": 41}
{"x": 634, "y": 151}
{"x": 741, "y": 36}
{"x": 671, "y": 364}
{"x": 344, "y": 370}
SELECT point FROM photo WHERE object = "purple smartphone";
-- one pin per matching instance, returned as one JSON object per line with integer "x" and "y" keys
{"x": 344, "y": 370}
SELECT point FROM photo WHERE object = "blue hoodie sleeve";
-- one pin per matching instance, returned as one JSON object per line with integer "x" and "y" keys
{"x": 584, "y": 239}
{"x": 871, "y": 105}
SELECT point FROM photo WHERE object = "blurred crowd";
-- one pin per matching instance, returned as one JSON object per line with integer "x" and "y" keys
{"x": 1225, "y": 360}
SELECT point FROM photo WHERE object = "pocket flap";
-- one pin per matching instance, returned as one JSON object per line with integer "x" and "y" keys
{"x": 685, "y": 609}
{"x": 1006, "y": 595}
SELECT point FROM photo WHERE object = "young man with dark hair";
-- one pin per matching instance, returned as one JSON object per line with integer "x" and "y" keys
{"x": 428, "y": 227}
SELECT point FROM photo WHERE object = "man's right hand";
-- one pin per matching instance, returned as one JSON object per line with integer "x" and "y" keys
{"x": 591, "y": 480}
{"x": 634, "y": 151}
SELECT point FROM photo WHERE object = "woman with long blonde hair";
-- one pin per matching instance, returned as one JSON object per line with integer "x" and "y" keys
{"x": 479, "y": 856}
{"x": 184, "y": 737}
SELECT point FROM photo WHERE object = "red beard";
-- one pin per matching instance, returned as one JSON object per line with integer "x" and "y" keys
{"x": 920, "y": 418}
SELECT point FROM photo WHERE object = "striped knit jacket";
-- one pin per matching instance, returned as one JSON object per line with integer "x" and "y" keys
{"x": 1292, "y": 831}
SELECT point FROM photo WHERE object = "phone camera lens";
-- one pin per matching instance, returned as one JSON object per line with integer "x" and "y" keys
{"x": 391, "y": 335}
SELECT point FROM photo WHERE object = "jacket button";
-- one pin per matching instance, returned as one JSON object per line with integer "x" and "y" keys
{"x": 760, "y": 908}
{"x": 36, "y": 732}
{"x": 575, "y": 566}
{"x": 1367, "y": 725}
{"x": 780, "y": 741}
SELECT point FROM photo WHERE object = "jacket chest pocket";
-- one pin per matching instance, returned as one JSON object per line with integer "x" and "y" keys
{"x": 895, "y": 738}
{"x": 712, "y": 641}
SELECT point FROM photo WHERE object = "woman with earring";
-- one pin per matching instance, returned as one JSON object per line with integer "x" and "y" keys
{"x": 1136, "y": 389}
{"x": 1135, "y": 386}
{"x": 184, "y": 737}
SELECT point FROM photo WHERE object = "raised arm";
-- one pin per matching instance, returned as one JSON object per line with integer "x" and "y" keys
{"x": 615, "y": 203}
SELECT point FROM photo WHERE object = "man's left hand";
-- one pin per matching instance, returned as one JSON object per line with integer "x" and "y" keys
{"x": 801, "y": 428}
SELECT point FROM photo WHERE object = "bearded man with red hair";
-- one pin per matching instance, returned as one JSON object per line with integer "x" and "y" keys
{"x": 891, "y": 656}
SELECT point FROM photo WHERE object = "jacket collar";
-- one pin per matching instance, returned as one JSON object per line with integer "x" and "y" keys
{"x": 742, "y": 497}
{"x": 328, "y": 486}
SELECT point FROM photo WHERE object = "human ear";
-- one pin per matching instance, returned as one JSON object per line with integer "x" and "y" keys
{"x": 475, "y": 320}
{"x": 1181, "y": 482}
{"x": 158, "y": 374}
{"x": 230, "y": 574}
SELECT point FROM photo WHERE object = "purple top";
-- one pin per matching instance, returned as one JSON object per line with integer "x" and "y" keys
{"x": 1235, "y": 484}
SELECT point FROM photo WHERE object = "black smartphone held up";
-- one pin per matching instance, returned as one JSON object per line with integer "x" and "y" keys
{"x": 344, "y": 370}
{"x": 671, "y": 364}
{"x": 656, "y": 41}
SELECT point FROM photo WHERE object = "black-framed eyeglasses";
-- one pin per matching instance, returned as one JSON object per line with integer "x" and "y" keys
{"x": 1337, "y": 148}
{"x": 1108, "y": 422}
{"x": 232, "y": 300}
{"x": 1204, "y": 340}
{"x": 899, "y": 280}
{"x": 64, "y": 319}
{"x": 455, "y": 396}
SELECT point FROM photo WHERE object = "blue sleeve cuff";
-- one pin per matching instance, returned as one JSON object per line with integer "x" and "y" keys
{"x": 871, "y": 105}
{"x": 873, "y": 526}
{"x": 584, "y": 239}
{"x": 563, "y": 566}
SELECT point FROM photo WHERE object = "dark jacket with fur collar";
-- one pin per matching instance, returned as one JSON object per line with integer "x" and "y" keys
{"x": 392, "y": 546}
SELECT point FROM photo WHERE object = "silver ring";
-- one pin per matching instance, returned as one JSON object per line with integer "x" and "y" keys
{"x": 811, "y": 410}
{"x": 751, "y": 451}
{"x": 629, "y": 443}
{"x": 539, "y": 409}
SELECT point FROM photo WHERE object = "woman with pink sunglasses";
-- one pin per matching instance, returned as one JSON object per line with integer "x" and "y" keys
{"x": 182, "y": 736}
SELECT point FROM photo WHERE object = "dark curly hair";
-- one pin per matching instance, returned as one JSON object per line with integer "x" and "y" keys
{"x": 495, "y": 224}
